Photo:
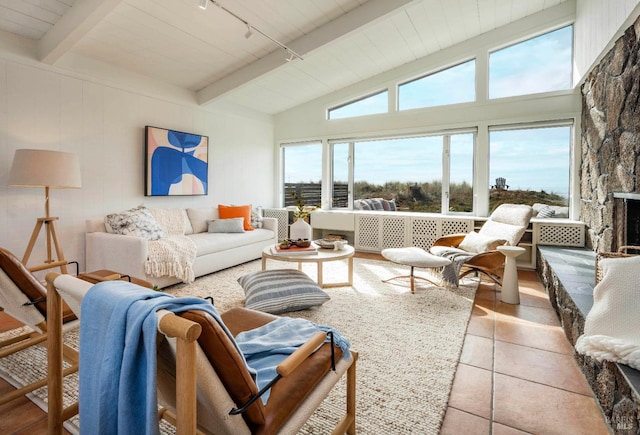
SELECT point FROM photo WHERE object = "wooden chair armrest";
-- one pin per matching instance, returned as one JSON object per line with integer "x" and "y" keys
{"x": 287, "y": 366}
{"x": 101, "y": 278}
{"x": 491, "y": 260}
{"x": 178, "y": 327}
{"x": 451, "y": 240}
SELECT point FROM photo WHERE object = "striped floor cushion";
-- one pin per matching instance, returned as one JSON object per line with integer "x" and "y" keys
{"x": 281, "y": 290}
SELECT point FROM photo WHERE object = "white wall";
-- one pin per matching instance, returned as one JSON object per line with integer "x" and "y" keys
{"x": 598, "y": 24}
{"x": 41, "y": 107}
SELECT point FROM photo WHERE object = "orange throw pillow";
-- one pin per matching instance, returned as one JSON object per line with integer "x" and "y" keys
{"x": 236, "y": 211}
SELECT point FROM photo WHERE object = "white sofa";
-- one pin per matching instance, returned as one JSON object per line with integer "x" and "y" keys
{"x": 127, "y": 254}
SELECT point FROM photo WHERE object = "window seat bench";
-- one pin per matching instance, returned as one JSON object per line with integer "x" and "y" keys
{"x": 568, "y": 275}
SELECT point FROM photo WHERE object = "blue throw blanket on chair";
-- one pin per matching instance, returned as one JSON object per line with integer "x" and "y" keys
{"x": 118, "y": 356}
{"x": 264, "y": 348}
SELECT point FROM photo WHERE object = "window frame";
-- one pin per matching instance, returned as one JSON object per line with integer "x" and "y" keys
{"x": 358, "y": 100}
{"x": 562, "y": 122}
{"x": 438, "y": 71}
{"x": 446, "y": 164}
{"x": 523, "y": 40}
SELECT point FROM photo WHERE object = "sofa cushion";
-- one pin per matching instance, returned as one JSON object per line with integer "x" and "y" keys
{"x": 137, "y": 222}
{"x": 173, "y": 221}
{"x": 233, "y": 211}
{"x": 281, "y": 291}
{"x": 360, "y": 204}
{"x": 209, "y": 243}
{"x": 377, "y": 203}
{"x": 199, "y": 218}
{"x": 233, "y": 225}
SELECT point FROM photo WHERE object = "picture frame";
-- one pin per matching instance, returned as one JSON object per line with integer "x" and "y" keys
{"x": 176, "y": 163}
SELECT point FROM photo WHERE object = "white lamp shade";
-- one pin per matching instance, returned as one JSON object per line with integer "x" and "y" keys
{"x": 44, "y": 168}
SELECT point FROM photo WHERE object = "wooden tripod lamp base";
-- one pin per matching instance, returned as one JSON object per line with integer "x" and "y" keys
{"x": 52, "y": 237}
{"x": 51, "y": 170}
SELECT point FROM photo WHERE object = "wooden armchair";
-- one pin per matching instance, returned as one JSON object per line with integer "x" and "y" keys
{"x": 23, "y": 297}
{"x": 203, "y": 384}
{"x": 506, "y": 225}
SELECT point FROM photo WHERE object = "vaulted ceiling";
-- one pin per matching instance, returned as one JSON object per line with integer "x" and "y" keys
{"x": 206, "y": 52}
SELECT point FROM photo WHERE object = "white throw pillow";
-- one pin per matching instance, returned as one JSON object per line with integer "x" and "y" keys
{"x": 137, "y": 222}
{"x": 612, "y": 326}
{"x": 475, "y": 242}
{"x": 498, "y": 230}
{"x": 256, "y": 217}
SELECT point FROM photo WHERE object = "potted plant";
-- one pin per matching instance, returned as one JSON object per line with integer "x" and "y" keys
{"x": 301, "y": 229}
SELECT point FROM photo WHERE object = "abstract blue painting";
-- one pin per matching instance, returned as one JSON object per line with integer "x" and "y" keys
{"x": 176, "y": 163}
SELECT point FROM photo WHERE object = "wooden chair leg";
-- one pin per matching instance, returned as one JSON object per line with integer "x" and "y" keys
{"x": 186, "y": 334}
{"x": 351, "y": 395}
{"x": 54, "y": 357}
{"x": 348, "y": 422}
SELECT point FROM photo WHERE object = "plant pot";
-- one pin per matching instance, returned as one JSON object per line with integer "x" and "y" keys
{"x": 300, "y": 229}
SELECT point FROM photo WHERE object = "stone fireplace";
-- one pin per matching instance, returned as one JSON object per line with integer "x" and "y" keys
{"x": 626, "y": 220}
{"x": 610, "y": 140}
{"x": 610, "y": 208}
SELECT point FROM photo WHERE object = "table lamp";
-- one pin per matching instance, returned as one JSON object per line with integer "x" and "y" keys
{"x": 51, "y": 170}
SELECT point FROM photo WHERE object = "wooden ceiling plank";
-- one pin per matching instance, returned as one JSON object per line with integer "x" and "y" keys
{"x": 71, "y": 27}
{"x": 18, "y": 28}
{"x": 32, "y": 11}
{"x": 486, "y": 15}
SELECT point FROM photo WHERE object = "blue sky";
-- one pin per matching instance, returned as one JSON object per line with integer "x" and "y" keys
{"x": 537, "y": 65}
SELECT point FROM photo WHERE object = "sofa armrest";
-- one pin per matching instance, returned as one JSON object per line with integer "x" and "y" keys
{"x": 269, "y": 223}
{"x": 123, "y": 254}
{"x": 95, "y": 226}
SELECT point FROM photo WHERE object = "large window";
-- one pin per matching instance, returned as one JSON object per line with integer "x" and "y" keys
{"x": 530, "y": 165}
{"x": 302, "y": 173}
{"x": 540, "y": 64}
{"x": 450, "y": 86}
{"x": 377, "y": 103}
{"x": 424, "y": 174}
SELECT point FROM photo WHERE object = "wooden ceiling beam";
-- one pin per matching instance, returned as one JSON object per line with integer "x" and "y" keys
{"x": 79, "y": 19}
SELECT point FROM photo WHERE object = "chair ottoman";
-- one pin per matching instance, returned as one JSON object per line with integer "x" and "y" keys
{"x": 414, "y": 257}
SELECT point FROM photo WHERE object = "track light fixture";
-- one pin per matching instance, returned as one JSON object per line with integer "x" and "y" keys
{"x": 250, "y": 29}
{"x": 249, "y": 33}
{"x": 291, "y": 55}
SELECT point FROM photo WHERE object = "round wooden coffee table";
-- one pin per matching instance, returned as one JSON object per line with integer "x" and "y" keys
{"x": 323, "y": 256}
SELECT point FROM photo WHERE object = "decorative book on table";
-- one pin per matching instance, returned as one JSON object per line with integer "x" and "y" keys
{"x": 293, "y": 250}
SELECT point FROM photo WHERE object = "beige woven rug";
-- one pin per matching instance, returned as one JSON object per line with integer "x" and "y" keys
{"x": 409, "y": 345}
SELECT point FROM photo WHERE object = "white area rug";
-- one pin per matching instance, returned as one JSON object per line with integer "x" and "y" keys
{"x": 409, "y": 345}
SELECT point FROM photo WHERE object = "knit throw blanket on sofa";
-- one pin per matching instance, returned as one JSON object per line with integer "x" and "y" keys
{"x": 174, "y": 254}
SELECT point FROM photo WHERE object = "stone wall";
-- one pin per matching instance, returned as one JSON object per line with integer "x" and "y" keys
{"x": 618, "y": 399}
{"x": 610, "y": 136}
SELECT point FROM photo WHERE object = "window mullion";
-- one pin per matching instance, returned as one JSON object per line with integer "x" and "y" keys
{"x": 446, "y": 168}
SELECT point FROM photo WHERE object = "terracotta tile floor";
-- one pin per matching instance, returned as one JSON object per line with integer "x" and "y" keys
{"x": 516, "y": 373}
